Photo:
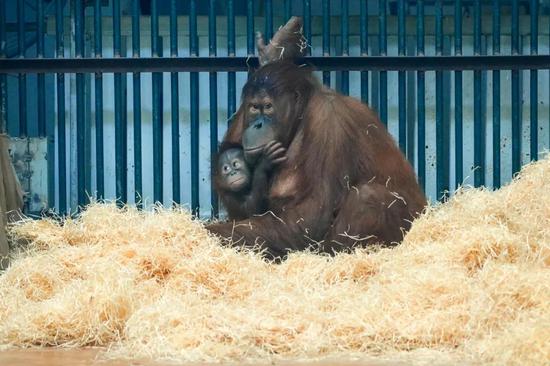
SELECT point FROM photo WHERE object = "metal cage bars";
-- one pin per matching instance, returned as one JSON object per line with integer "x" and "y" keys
{"x": 156, "y": 64}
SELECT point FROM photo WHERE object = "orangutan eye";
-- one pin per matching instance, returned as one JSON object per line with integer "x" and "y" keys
{"x": 254, "y": 108}
{"x": 236, "y": 164}
{"x": 268, "y": 106}
{"x": 226, "y": 168}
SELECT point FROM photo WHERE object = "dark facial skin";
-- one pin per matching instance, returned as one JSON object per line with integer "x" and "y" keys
{"x": 233, "y": 170}
{"x": 263, "y": 119}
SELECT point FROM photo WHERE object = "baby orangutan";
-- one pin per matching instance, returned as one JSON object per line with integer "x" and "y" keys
{"x": 245, "y": 186}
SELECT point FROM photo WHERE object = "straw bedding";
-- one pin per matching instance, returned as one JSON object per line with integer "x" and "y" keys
{"x": 470, "y": 283}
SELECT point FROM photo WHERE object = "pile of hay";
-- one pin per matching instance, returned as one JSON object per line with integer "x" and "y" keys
{"x": 471, "y": 282}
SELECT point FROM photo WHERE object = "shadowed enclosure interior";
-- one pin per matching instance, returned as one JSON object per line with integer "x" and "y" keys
{"x": 128, "y": 99}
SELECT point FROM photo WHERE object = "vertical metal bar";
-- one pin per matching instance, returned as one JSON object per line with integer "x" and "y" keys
{"x": 194, "y": 52}
{"x": 421, "y": 90}
{"x": 44, "y": 129}
{"x": 516, "y": 121}
{"x": 136, "y": 86}
{"x": 22, "y": 78}
{"x": 345, "y": 44}
{"x": 533, "y": 98}
{"x": 307, "y": 24}
{"x": 442, "y": 168}
{"x": 383, "y": 45}
{"x": 288, "y": 9}
{"x": 231, "y": 93}
{"x": 402, "y": 79}
{"x": 249, "y": 28}
{"x": 80, "y": 117}
{"x": 157, "y": 121}
{"x": 174, "y": 100}
{"x": 61, "y": 140}
{"x": 268, "y": 19}
{"x": 39, "y": 29}
{"x": 3, "y": 80}
{"x": 40, "y": 78}
{"x": 213, "y": 90}
{"x": 326, "y": 38}
{"x": 98, "y": 50}
{"x": 459, "y": 151}
{"x": 173, "y": 29}
{"x": 364, "y": 36}
{"x": 154, "y": 29}
{"x": 120, "y": 121}
{"x": 116, "y": 29}
{"x": 496, "y": 96}
{"x": 479, "y": 130}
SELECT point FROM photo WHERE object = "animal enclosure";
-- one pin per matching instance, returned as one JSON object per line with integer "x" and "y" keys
{"x": 127, "y": 99}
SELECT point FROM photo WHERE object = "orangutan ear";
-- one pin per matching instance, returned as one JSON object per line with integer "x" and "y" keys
{"x": 234, "y": 134}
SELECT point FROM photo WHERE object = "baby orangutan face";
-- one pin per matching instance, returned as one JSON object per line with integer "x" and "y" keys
{"x": 233, "y": 171}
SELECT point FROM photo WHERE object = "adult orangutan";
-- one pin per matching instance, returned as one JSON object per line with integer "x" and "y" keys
{"x": 344, "y": 181}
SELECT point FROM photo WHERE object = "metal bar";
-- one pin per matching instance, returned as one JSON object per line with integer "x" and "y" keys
{"x": 410, "y": 102}
{"x": 121, "y": 142}
{"x": 213, "y": 90}
{"x": 459, "y": 135}
{"x": 421, "y": 90}
{"x": 382, "y": 45}
{"x": 136, "y": 86}
{"x": 268, "y": 19}
{"x": 157, "y": 105}
{"x": 232, "y": 64}
{"x": 49, "y": 128}
{"x": 516, "y": 121}
{"x": 250, "y": 36}
{"x": 479, "y": 124}
{"x": 442, "y": 183}
{"x": 174, "y": 104}
{"x": 3, "y": 78}
{"x": 173, "y": 29}
{"x": 61, "y": 140}
{"x": 98, "y": 50}
{"x": 194, "y": 52}
{"x": 22, "y": 78}
{"x": 288, "y": 9}
{"x": 307, "y": 24}
{"x": 80, "y": 117}
{"x": 231, "y": 88}
{"x": 496, "y": 96}
{"x": 533, "y": 97}
{"x": 345, "y": 44}
{"x": 364, "y": 39}
{"x": 402, "y": 78}
{"x": 326, "y": 38}
{"x": 40, "y": 77}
